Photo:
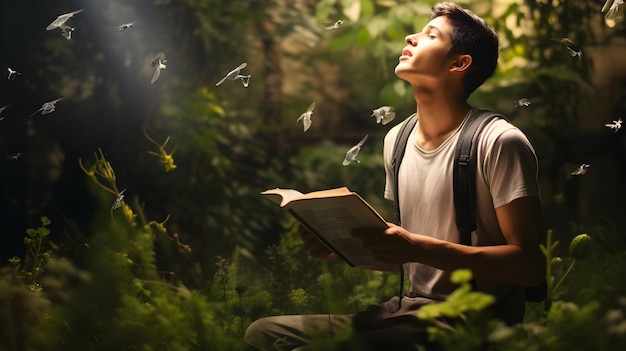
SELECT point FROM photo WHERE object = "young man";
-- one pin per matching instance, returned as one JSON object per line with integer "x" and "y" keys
{"x": 444, "y": 63}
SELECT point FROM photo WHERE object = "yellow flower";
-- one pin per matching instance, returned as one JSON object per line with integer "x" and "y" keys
{"x": 166, "y": 158}
{"x": 129, "y": 214}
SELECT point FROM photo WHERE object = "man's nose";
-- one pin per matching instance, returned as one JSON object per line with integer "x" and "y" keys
{"x": 411, "y": 39}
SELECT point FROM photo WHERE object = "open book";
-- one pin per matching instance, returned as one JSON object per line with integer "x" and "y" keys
{"x": 331, "y": 215}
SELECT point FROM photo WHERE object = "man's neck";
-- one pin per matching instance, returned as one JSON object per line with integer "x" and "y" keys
{"x": 439, "y": 117}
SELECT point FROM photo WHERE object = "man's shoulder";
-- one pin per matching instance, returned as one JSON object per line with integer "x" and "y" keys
{"x": 502, "y": 126}
{"x": 500, "y": 135}
{"x": 500, "y": 130}
{"x": 392, "y": 134}
{"x": 499, "y": 122}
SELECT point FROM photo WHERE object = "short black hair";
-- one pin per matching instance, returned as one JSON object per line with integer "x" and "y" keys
{"x": 473, "y": 36}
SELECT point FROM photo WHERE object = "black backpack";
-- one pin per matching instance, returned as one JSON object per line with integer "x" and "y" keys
{"x": 464, "y": 180}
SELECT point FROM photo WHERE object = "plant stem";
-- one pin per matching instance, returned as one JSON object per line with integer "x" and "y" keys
{"x": 548, "y": 255}
{"x": 569, "y": 269}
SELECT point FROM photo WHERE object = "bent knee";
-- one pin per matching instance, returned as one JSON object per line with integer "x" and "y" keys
{"x": 261, "y": 332}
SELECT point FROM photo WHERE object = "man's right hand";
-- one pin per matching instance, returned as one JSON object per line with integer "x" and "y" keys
{"x": 314, "y": 246}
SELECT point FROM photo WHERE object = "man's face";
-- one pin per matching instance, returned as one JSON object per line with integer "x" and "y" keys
{"x": 426, "y": 53}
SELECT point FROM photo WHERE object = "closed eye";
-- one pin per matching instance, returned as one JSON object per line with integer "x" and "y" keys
{"x": 429, "y": 30}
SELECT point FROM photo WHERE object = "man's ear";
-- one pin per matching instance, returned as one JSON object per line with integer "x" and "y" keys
{"x": 461, "y": 63}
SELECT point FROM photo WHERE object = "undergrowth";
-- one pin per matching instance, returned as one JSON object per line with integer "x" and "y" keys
{"x": 116, "y": 298}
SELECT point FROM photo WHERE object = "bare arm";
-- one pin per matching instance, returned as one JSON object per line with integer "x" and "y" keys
{"x": 518, "y": 262}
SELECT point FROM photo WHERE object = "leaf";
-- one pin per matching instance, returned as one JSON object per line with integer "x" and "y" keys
{"x": 45, "y": 220}
{"x": 342, "y": 42}
{"x": 323, "y": 9}
{"x": 376, "y": 26}
{"x": 512, "y": 9}
{"x": 402, "y": 15}
{"x": 363, "y": 38}
{"x": 396, "y": 34}
{"x": 461, "y": 276}
{"x": 218, "y": 110}
{"x": 352, "y": 9}
{"x": 367, "y": 8}
{"x": 394, "y": 94}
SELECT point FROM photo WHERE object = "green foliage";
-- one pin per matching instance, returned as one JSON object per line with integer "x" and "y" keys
{"x": 215, "y": 194}
{"x": 328, "y": 287}
{"x": 38, "y": 252}
{"x": 378, "y": 27}
{"x": 460, "y": 301}
{"x": 578, "y": 248}
{"x": 22, "y": 310}
{"x": 464, "y": 307}
{"x": 566, "y": 327}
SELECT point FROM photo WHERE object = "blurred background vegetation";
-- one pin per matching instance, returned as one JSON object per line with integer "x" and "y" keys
{"x": 205, "y": 254}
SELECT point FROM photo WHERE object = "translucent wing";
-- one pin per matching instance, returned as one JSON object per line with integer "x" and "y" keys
{"x": 305, "y": 118}
{"x": 221, "y": 81}
{"x": 613, "y": 12}
{"x": 311, "y": 107}
{"x": 155, "y": 76}
{"x": 306, "y": 122}
{"x": 615, "y": 125}
{"x": 576, "y": 170}
{"x": 335, "y": 25}
{"x": 353, "y": 152}
{"x": 125, "y": 26}
{"x": 383, "y": 114}
{"x": 158, "y": 63}
{"x": 61, "y": 19}
{"x": 388, "y": 114}
{"x": 4, "y": 108}
{"x": 522, "y": 102}
{"x": 46, "y": 107}
{"x": 57, "y": 22}
{"x": 350, "y": 156}
{"x": 362, "y": 141}
{"x": 118, "y": 201}
{"x": 34, "y": 113}
{"x": 233, "y": 75}
{"x": 49, "y": 106}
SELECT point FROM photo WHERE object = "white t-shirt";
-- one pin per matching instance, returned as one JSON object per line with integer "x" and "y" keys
{"x": 506, "y": 170}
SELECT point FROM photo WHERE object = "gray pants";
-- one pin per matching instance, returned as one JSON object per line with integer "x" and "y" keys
{"x": 379, "y": 327}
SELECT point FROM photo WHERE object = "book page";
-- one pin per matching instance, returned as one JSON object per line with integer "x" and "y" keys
{"x": 281, "y": 196}
{"x": 332, "y": 221}
{"x": 284, "y": 196}
{"x": 326, "y": 193}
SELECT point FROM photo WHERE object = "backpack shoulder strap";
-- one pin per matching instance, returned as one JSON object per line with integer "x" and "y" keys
{"x": 399, "y": 147}
{"x": 398, "y": 153}
{"x": 464, "y": 172}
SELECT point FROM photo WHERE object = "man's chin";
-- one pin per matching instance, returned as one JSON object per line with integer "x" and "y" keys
{"x": 400, "y": 71}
